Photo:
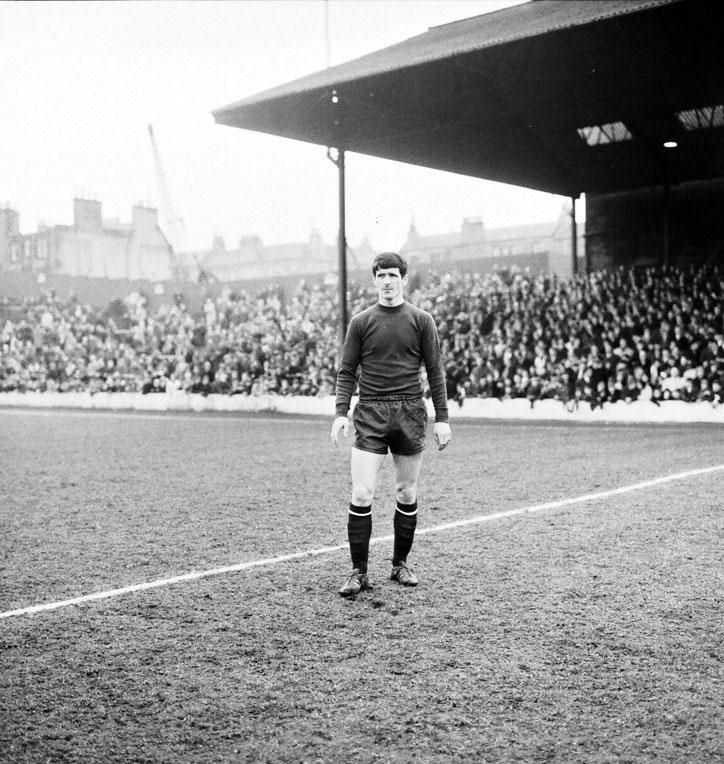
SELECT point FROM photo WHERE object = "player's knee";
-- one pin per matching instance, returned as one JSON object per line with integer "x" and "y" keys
{"x": 362, "y": 494}
{"x": 406, "y": 493}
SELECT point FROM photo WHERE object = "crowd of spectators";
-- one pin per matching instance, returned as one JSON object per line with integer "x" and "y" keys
{"x": 625, "y": 335}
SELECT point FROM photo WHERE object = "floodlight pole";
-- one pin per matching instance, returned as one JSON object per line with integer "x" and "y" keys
{"x": 338, "y": 160}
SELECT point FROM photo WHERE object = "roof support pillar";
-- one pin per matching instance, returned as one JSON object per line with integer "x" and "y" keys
{"x": 338, "y": 160}
{"x": 574, "y": 238}
{"x": 666, "y": 225}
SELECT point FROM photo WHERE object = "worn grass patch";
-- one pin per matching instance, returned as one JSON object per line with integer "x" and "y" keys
{"x": 591, "y": 633}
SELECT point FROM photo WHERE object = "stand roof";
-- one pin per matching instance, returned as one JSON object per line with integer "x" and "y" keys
{"x": 562, "y": 96}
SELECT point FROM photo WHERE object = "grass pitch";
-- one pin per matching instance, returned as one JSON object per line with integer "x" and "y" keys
{"x": 588, "y": 633}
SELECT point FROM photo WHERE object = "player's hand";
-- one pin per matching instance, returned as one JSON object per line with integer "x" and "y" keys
{"x": 442, "y": 434}
{"x": 340, "y": 423}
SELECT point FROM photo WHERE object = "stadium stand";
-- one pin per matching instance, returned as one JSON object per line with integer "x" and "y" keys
{"x": 649, "y": 335}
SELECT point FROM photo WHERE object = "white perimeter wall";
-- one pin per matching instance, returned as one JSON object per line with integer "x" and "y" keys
{"x": 474, "y": 408}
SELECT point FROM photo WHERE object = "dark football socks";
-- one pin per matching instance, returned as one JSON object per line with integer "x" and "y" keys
{"x": 404, "y": 524}
{"x": 359, "y": 530}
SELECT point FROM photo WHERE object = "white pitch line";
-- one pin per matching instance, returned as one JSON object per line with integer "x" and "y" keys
{"x": 196, "y": 575}
{"x": 193, "y": 576}
{"x": 575, "y": 500}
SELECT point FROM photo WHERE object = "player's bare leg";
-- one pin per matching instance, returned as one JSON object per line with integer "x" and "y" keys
{"x": 365, "y": 467}
{"x": 407, "y": 471}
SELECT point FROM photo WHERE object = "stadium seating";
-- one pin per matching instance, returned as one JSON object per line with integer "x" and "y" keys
{"x": 626, "y": 335}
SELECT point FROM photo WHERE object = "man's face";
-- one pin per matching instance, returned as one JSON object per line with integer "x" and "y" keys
{"x": 390, "y": 285}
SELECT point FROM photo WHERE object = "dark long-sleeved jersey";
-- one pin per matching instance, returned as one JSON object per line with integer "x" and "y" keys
{"x": 389, "y": 346}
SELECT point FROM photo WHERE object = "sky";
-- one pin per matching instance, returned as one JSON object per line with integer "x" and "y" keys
{"x": 81, "y": 82}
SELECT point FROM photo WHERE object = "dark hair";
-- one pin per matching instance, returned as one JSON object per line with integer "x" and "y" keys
{"x": 389, "y": 260}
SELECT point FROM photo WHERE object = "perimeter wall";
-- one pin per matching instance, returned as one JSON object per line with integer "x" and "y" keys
{"x": 473, "y": 408}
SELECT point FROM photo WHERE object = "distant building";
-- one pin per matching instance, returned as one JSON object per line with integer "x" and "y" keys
{"x": 9, "y": 235}
{"x": 91, "y": 247}
{"x": 539, "y": 247}
{"x": 252, "y": 260}
{"x": 107, "y": 249}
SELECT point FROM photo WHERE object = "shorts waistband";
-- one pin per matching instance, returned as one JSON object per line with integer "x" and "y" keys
{"x": 408, "y": 397}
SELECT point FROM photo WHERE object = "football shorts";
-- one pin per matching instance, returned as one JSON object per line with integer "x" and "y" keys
{"x": 397, "y": 424}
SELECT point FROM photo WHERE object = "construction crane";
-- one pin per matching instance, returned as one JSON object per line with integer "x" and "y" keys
{"x": 174, "y": 225}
